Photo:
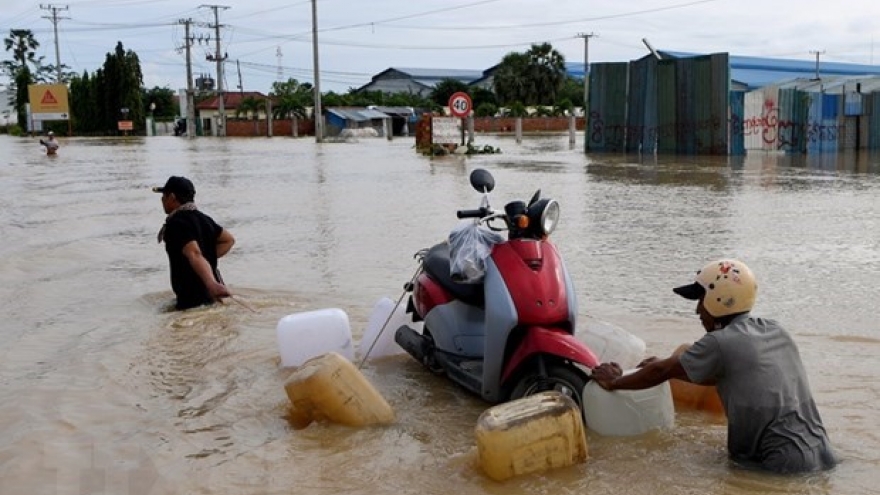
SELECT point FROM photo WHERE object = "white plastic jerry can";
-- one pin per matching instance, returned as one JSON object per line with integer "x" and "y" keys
{"x": 627, "y": 412}
{"x": 378, "y": 338}
{"x": 302, "y": 336}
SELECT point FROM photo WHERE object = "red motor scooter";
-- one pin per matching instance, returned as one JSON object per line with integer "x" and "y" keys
{"x": 513, "y": 334}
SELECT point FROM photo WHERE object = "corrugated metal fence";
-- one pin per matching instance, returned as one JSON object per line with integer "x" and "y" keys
{"x": 686, "y": 106}
{"x": 668, "y": 106}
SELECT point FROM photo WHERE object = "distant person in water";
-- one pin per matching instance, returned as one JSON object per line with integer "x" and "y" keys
{"x": 50, "y": 143}
{"x": 194, "y": 243}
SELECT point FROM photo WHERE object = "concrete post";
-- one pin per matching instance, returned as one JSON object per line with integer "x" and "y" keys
{"x": 518, "y": 130}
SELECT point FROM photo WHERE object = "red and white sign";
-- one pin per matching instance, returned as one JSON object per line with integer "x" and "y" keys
{"x": 460, "y": 104}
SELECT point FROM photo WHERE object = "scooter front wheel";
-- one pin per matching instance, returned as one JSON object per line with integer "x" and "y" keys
{"x": 564, "y": 379}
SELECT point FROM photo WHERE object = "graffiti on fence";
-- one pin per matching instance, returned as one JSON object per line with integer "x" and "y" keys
{"x": 788, "y": 134}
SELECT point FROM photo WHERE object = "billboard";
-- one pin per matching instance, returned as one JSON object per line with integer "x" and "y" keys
{"x": 48, "y": 101}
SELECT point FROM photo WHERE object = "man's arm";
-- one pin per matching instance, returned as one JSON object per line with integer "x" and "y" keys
{"x": 609, "y": 376}
{"x": 224, "y": 243}
{"x": 203, "y": 269}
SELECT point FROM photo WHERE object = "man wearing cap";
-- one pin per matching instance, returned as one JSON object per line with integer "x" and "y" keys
{"x": 194, "y": 243}
{"x": 772, "y": 420}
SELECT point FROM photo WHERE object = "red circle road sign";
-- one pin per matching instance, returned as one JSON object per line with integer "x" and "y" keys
{"x": 460, "y": 104}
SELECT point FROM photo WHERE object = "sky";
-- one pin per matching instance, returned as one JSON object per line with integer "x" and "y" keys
{"x": 270, "y": 40}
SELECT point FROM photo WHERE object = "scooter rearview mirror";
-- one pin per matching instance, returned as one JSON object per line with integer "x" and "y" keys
{"x": 482, "y": 180}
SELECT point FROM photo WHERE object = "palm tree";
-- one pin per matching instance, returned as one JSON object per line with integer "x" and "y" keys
{"x": 509, "y": 78}
{"x": 546, "y": 73}
{"x": 292, "y": 98}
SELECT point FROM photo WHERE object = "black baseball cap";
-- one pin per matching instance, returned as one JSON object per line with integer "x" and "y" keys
{"x": 177, "y": 185}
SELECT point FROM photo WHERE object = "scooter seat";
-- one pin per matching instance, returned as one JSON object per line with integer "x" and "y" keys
{"x": 437, "y": 266}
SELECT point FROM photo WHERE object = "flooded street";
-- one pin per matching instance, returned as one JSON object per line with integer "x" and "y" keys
{"x": 103, "y": 390}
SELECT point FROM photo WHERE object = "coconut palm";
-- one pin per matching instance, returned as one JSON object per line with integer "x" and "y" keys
{"x": 291, "y": 101}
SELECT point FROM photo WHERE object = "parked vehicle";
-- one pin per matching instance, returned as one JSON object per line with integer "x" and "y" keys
{"x": 512, "y": 334}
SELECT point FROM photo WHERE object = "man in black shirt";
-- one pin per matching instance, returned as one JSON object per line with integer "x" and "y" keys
{"x": 193, "y": 242}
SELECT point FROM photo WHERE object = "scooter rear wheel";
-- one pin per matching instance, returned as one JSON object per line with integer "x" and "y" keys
{"x": 561, "y": 378}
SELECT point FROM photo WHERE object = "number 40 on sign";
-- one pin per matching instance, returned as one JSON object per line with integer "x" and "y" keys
{"x": 460, "y": 104}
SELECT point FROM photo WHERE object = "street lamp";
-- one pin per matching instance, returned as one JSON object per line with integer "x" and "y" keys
{"x": 152, "y": 120}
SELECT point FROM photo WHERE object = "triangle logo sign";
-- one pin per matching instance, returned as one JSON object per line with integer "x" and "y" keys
{"x": 49, "y": 98}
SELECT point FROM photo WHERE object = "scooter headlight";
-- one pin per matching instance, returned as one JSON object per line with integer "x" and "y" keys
{"x": 545, "y": 216}
{"x": 550, "y": 217}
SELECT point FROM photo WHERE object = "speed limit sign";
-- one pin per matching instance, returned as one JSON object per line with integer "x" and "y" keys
{"x": 460, "y": 104}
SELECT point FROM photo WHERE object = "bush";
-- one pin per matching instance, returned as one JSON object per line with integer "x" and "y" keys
{"x": 486, "y": 110}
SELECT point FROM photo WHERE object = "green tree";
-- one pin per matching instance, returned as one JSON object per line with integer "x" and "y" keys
{"x": 122, "y": 82}
{"x": 291, "y": 99}
{"x": 114, "y": 92}
{"x": 573, "y": 91}
{"x": 163, "y": 98}
{"x": 483, "y": 96}
{"x": 547, "y": 72}
{"x": 510, "y": 82}
{"x": 486, "y": 110}
{"x": 532, "y": 78}
{"x": 23, "y": 45}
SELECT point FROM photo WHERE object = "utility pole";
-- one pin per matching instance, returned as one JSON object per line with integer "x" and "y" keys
{"x": 318, "y": 113}
{"x": 240, "y": 85}
{"x": 586, "y": 38}
{"x": 221, "y": 106}
{"x": 190, "y": 101}
{"x": 55, "y": 19}
{"x": 817, "y": 53}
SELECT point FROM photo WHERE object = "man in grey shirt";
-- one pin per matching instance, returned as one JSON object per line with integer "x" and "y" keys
{"x": 772, "y": 419}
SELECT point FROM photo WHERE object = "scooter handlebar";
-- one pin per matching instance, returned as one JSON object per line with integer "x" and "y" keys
{"x": 480, "y": 213}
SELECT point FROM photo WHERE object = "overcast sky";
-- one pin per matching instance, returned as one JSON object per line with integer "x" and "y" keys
{"x": 360, "y": 38}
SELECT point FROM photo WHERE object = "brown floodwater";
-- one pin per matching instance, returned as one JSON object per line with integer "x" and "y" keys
{"x": 103, "y": 390}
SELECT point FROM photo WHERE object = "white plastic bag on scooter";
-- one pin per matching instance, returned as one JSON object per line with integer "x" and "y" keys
{"x": 469, "y": 246}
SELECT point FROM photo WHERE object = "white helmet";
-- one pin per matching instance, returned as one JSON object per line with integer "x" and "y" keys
{"x": 726, "y": 286}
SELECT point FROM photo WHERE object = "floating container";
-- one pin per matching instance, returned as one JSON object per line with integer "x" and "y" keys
{"x": 378, "y": 342}
{"x": 530, "y": 435}
{"x": 627, "y": 412}
{"x": 302, "y": 336}
{"x": 687, "y": 395}
{"x": 613, "y": 344}
{"x": 331, "y": 388}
